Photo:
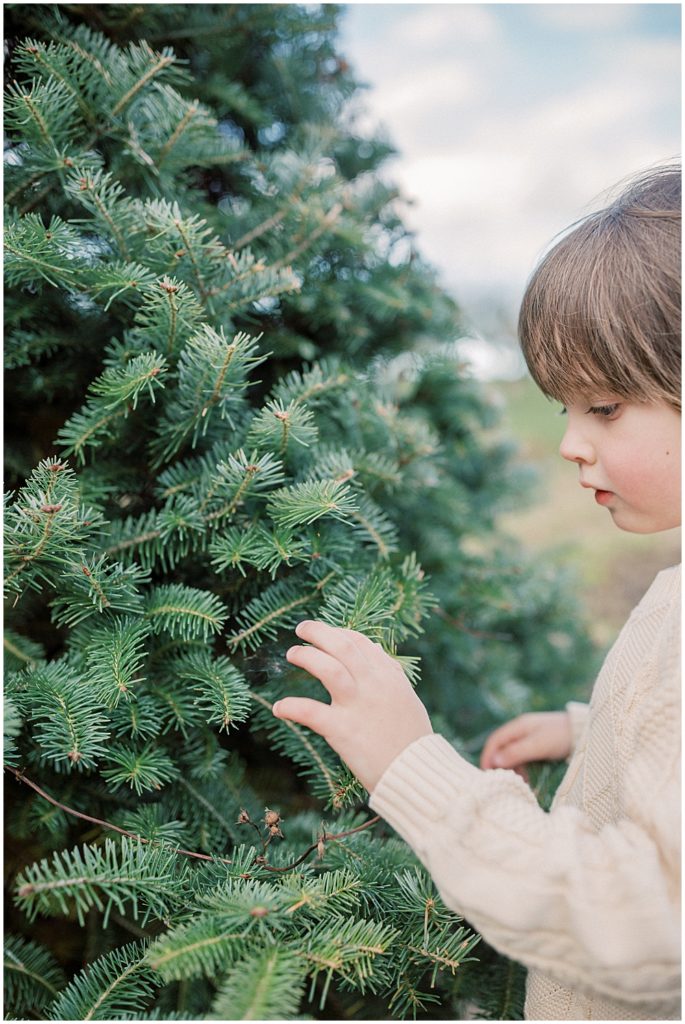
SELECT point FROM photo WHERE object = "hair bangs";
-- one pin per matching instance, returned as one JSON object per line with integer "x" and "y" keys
{"x": 597, "y": 320}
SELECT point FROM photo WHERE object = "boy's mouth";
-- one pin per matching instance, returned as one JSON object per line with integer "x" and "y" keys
{"x": 603, "y": 497}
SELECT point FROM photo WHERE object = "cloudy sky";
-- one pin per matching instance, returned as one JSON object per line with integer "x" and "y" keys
{"x": 512, "y": 119}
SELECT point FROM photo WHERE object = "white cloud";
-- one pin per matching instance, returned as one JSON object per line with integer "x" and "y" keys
{"x": 500, "y": 153}
{"x": 582, "y": 17}
{"x": 423, "y": 94}
{"x": 432, "y": 26}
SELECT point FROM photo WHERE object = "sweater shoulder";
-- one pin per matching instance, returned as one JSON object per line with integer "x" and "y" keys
{"x": 663, "y": 592}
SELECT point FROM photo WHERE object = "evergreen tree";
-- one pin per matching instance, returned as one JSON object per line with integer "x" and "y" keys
{"x": 233, "y": 401}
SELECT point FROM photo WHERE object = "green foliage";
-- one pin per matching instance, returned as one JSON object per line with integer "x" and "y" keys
{"x": 267, "y": 984}
{"x": 116, "y": 986}
{"x": 32, "y": 978}
{"x": 45, "y": 523}
{"x": 113, "y": 875}
{"x": 233, "y": 401}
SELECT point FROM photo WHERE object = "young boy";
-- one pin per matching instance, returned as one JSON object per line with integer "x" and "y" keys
{"x": 587, "y": 895}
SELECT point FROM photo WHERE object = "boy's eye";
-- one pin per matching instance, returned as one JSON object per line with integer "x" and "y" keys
{"x": 604, "y": 410}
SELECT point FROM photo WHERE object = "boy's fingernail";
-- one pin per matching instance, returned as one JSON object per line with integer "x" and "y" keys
{"x": 299, "y": 626}
{"x": 274, "y": 708}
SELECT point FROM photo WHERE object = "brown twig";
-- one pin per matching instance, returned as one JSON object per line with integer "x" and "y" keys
{"x": 259, "y": 859}
{"x": 325, "y": 837}
{"x": 107, "y": 824}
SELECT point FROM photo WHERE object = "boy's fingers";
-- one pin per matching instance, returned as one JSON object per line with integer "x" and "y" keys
{"x": 313, "y": 714}
{"x": 500, "y": 739}
{"x": 514, "y": 754}
{"x": 350, "y": 648}
{"x": 328, "y": 670}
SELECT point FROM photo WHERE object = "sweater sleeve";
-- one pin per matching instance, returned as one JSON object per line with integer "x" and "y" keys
{"x": 596, "y": 909}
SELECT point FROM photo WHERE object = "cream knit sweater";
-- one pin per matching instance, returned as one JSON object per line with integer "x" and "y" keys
{"x": 587, "y": 895}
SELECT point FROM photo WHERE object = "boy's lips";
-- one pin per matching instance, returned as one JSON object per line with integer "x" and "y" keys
{"x": 602, "y": 497}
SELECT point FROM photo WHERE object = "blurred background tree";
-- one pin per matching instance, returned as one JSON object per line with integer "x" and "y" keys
{"x": 233, "y": 398}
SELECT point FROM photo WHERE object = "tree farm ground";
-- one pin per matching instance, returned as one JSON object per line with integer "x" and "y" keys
{"x": 564, "y": 523}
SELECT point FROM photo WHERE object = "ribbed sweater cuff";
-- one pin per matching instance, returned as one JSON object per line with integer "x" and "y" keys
{"x": 426, "y": 781}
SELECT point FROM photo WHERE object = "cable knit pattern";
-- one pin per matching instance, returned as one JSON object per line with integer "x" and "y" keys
{"x": 587, "y": 896}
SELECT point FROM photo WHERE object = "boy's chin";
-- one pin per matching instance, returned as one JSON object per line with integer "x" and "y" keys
{"x": 639, "y": 523}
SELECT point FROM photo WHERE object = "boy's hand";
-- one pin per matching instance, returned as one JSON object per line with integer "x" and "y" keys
{"x": 374, "y": 713}
{"x": 536, "y": 736}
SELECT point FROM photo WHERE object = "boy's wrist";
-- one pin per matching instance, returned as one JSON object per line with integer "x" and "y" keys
{"x": 382, "y": 760}
{"x": 577, "y": 714}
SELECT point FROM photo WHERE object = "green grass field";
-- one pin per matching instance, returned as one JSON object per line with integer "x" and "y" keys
{"x": 563, "y": 521}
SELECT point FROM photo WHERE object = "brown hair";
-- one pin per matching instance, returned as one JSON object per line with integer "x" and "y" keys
{"x": 601, "y": 312}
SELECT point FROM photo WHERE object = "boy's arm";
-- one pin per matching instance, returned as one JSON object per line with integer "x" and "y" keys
{"x": 596, "y": 909}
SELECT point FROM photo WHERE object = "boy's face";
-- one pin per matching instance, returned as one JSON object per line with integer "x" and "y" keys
{"x": 629, "y": 454}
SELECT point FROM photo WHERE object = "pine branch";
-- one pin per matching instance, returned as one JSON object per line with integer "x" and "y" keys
{"x": 148, "y": 65}
{"x": 122, "y": 279}
{"x": 108, "y": 824}
{"x": 375, "y": 526}
{"x": 114, "y": 395}
{"x": 168, "y": 314}
{"x": 216, "y": 492}
{"x": 48, "y": 60}
{"x": 351, "y": 949}
{"x": 114, "y": 214}
{"x": 212, "y": 374}
{"x": 43, "y": 115}
{"x": 244, "y": 279}
{"x": 94, "y": 585}
{"x": 264, "y": 549}
{"x": 205, "y": 946}
{"x": 222, "y": 693}
{"x": 175, "y": 705}
{"x": 313, "y": 897}
{"x": 142, "y": 770}
{"x": 35, "y": 253}
{"x": 184, "y": 612}
{"x": 312, "y": 385}
{"x": 274, "y": 609}
{"x": 20, "y": 650}
{"x": 337, "y": 892}
{"x": 239, "y": 477}
{"x": 267, "y": 984}
{"x": 281, "y": 428}
{"x": 32, "y": 977}
{"x": 115, "y": 658}
{"x": 88, "y": 428}
{"x": 445, "y": 957}
{"x": 110, "y": 876}
{"x": 302, "y": 504}
{"x": 119, "y": 985}
{"x": 66, "y": 715}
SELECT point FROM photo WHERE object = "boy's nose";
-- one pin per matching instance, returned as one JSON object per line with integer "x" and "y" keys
{"x": 576, "y": 448}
